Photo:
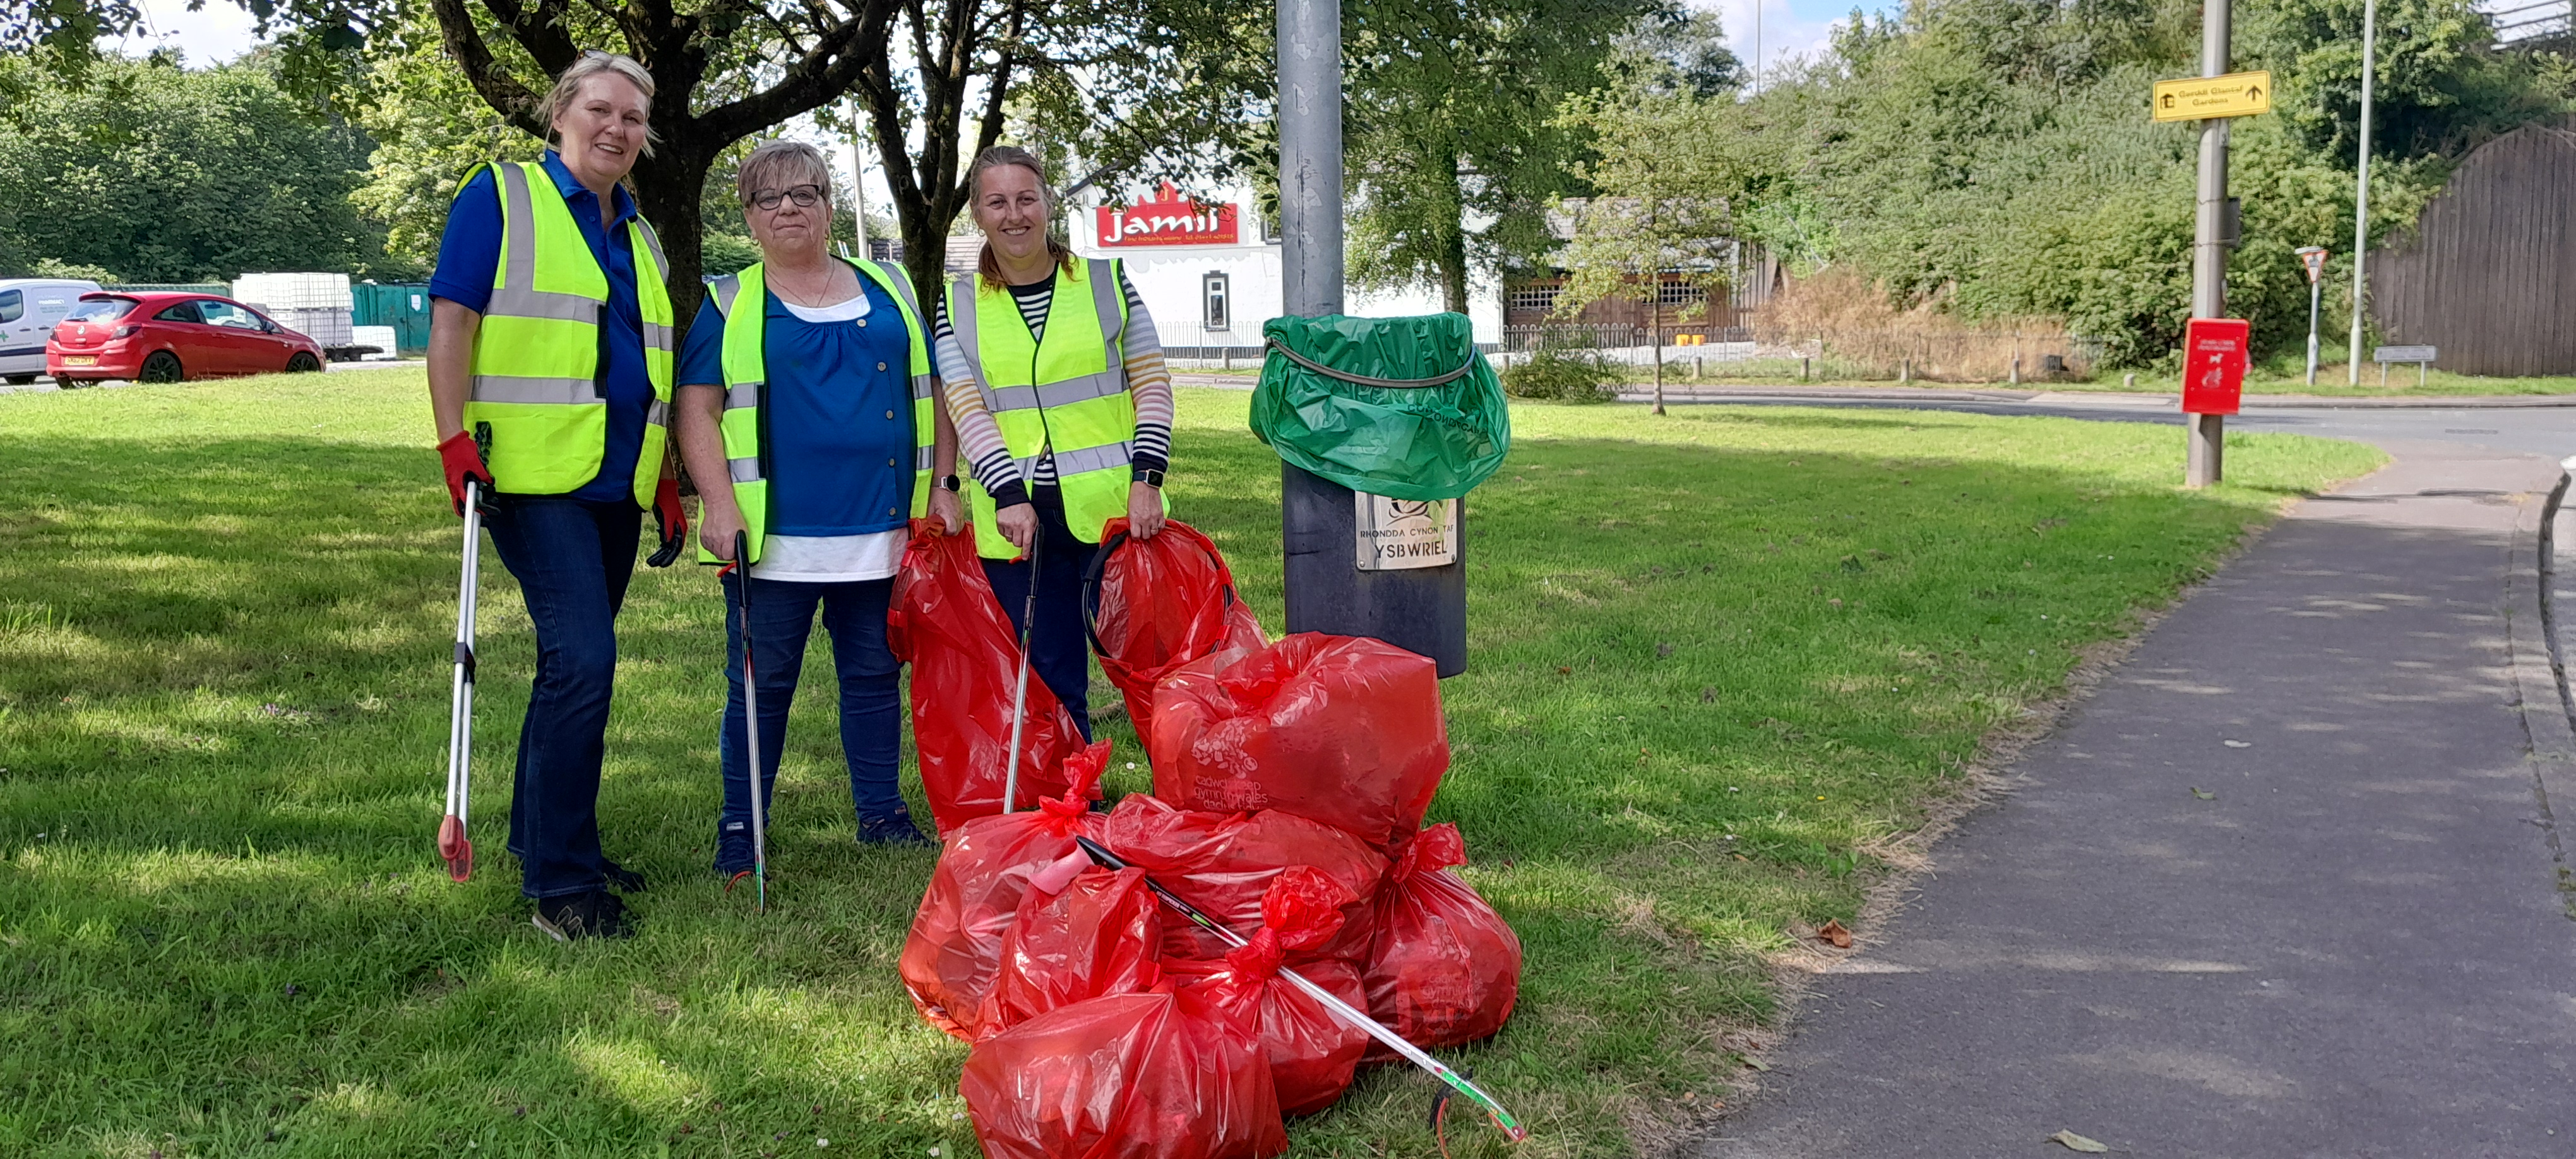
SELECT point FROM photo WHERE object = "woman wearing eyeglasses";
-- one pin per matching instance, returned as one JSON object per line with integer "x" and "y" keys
{"x": 803, "y": 415}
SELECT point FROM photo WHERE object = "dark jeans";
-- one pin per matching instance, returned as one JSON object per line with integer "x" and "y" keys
{"x": 572, "y": 560}
{"x": 1059, "y": 650}
{"x": 782, "y": 616}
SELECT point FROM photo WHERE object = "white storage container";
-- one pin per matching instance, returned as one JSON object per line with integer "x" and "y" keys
{"x": 326, "y": 326}
{"x": 294, "y": 291}
{"x": 382, "y": 338}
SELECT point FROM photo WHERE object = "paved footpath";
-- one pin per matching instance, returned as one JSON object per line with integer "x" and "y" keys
{"x": 2355, "y": 946}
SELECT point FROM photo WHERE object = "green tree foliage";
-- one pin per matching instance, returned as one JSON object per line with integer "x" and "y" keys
{"x": 1996, "y": 155}
{"x": 1452, "y": 150}
{"x": 168, "y": 175}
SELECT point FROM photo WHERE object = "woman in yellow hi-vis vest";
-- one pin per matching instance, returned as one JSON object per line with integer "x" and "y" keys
{"x": 550, "y": 351}
{"x": 1055, "y": 381}
{"x": 805, "y": 416}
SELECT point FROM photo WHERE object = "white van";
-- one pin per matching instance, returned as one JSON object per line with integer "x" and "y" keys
{"x": 29, "y": 307}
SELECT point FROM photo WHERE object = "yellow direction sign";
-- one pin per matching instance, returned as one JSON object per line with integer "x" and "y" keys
{"x": 2202, "y": 98}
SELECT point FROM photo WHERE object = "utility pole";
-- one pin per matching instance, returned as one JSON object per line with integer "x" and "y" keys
{"x": 859, "y": 179}
{"x": 2361, "y": 185}
{"x": 1310, "y": 157}
{"x": 2202, "y": 463}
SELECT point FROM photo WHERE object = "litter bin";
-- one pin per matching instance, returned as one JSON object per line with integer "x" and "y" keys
{"x": 1382, "y": 426}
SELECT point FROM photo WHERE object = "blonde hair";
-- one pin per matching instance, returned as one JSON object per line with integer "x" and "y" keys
{"x": 568, "y": 89}
{"x": 782, "y": 165}
{"x": 987, "y": 267}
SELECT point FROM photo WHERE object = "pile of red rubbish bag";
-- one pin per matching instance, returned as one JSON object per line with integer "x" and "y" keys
{"x": 1290, "y": 782}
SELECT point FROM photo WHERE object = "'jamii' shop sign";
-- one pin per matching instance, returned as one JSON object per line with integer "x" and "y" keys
{"x": 1169, "y": 219}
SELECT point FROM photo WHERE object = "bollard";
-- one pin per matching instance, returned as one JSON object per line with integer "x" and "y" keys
{"x": 2016, "y": 372}
{"x": 1905, "y": 370}
{"x": 2129, "y": 381}
{"x": 1805, "y": 367}
{"x": 1695, "y": 368}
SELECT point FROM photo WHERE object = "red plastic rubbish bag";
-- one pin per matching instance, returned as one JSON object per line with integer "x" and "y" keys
{"x": 1156, "y": 1075}
{"x": 944, "y": 621}
{"x": 1345, "y": 730}
{"x": 1311, "y": 1052}
{"x": 1445, "y": 969}
{"x": 1155, "y": 604}
{"x": 955, "y": 946}
{"x": 1223, "y": 863}
{"x": 1097, "y": 933}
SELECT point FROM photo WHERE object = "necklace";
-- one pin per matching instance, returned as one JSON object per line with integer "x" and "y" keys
{"x": 800, "y": 295}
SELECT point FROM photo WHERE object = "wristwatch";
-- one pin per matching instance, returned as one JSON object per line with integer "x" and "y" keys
{"x": 949, "y": 483}
{"x": 1151, "y": 478}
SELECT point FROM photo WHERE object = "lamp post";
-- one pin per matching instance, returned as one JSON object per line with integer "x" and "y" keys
{"x": 2314, "y": 258}
{"x": 2361, "y": 183}
{"x": 1310, "y": 157}
{"x": 2202, "y": 462}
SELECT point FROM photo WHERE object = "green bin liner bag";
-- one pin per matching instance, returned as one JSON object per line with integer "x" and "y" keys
{"x": 1433, "y": 441}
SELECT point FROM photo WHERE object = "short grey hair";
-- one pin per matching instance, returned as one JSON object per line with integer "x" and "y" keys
{"x": 568, "y": 88}
{"x": 782, "y": 165}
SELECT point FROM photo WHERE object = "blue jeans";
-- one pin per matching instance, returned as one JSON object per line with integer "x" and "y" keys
{"x": 572, "y": 560}
{"x": 1059, "y": 649}
{"x": 782, "y": 616}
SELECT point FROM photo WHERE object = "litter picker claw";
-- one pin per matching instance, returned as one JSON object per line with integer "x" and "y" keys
{"x": 741, "y": 569}
{"x": 453, "y": 845}
{"x": 1503, "y": 1120}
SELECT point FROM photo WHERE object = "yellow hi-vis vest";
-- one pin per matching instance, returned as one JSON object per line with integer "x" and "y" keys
{"x": 536, "y": 355}
{"x": 746, "y": 374}
{"x": 1066, "y": 393}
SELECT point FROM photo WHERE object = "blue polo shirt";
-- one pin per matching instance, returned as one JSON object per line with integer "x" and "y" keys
{"x": 470, "y": 252}
{"x": 837, "y": 420}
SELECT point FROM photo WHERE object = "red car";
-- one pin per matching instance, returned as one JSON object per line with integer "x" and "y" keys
{"x": 167, "y": 337}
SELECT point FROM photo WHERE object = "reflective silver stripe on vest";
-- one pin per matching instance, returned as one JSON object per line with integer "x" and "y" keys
{"x": 1065, "y": 393}
{"x": 924, "y": 386}
{"x": 519, "y": 302}
{"x": 514, "y": 388}
{"x": 518, "y": 229}
{"x": 658, "y": 337}
{"x": 653, "y": 241}
{"x": 744, "y": 470}
{"x": 658, "y": 414}
{"x": 1105, "y": 299}
{"x": 902, "y": 284}
{"x": 726, "y": 289}
{"x": 921, "y": 458}
{"x": 742, "y": 395}
{"x": 1100, "y": 458}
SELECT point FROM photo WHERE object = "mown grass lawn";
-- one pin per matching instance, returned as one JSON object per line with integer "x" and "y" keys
{"x": 1717, "y": 658}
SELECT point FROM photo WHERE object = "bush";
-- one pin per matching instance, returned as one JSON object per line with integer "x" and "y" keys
{"x": 1564, "y": 374}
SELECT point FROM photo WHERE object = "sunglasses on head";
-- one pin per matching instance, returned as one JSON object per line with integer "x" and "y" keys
{"x": 803, "y": 195}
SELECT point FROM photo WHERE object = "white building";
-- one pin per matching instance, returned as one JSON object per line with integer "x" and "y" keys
{"x": 1209, "y": 273}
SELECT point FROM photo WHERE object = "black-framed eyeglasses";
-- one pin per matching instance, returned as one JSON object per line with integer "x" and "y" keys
{"x": 803, "y": 195}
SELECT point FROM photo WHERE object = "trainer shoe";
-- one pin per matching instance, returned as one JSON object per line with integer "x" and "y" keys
{"x": 573, "y": 917}
{"x": 892, "y": 829}
{"x": 620, "y": 878}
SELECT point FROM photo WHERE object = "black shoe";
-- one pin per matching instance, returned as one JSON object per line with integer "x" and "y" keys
{"x": 892, "y": 829}
{"x": 573, "y": 917}
{"x": 620, "y": 878}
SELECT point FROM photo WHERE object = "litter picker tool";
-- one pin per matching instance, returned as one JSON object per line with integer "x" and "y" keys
{"x": 1020, "y": 695}
{"x": 741, "y": 568}
{"x": 1503, "y": 1120}
{"x": 453, "y": 847}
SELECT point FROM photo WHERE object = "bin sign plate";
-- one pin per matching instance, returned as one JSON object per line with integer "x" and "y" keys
{"x": 2213, "y": 375}
{"x": 1395, "y": 534}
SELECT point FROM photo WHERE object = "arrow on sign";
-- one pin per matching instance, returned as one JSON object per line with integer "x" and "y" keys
{"x": 2254, "y": 92}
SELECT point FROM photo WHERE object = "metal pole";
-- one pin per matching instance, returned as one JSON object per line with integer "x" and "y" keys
{"x": 2202, "y": 466}
{"x": 859, "y": 179}
{"x": 2316, "y": 294}
{"x": 1310, "y": 157}
{"x": 2361, "y": 185}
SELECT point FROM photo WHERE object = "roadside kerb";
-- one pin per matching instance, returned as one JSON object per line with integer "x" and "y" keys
{"x": 2548, "y": 708}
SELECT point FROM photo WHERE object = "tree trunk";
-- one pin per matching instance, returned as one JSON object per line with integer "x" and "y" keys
{"x": 667, "y": 189}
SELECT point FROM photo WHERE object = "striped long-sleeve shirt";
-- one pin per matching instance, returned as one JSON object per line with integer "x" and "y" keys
{"x": 1149, "y": 383}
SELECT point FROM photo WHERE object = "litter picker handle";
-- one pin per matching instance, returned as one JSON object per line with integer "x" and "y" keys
{"x": 1503, "y": 1120}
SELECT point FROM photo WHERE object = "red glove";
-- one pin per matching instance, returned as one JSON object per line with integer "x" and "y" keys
{"x": 672, "y": 519}
{"x": 463, "y": 462}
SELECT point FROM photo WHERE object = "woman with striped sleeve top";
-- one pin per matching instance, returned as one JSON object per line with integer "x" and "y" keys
{"x": 1060, "y": 401}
